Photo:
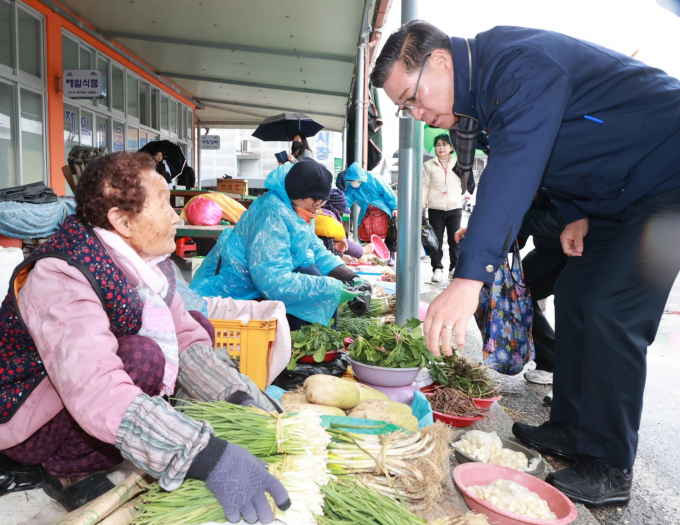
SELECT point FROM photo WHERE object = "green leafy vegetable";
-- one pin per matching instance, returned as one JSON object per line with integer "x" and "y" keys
{"x": 315, "y": 339}
{"x": 393, "y": 346}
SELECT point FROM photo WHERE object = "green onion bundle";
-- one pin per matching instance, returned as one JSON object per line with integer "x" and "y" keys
{"x": 294, "y": 446}
{"x": 378, "y": 307}
{"x": 262, "y": 433}
{"x": 356, "y": 326}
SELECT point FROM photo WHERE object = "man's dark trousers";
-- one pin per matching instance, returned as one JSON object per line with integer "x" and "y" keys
{"x": 608, "y": 305}
{"x": 448, "y": 221}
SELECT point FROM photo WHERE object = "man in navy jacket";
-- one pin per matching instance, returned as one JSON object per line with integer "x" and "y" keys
{"x": 600, "y": 132}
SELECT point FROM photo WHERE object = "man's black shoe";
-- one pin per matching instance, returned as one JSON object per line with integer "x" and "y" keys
{"x": 15, "y": 476}
{"x": 76, "y": 495}
{"x": 593, "y": 482}
{"x": 551, "y": 438}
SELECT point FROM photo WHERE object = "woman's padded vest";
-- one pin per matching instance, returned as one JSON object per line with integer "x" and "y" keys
{"x": 21, "y": 368}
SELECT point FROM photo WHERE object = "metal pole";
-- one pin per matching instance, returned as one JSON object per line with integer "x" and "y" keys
{"x": 345, "y": 131}
{"x": 197, "y": 134}
{"x": 359, "y": 124}
{"x": 410, "y": 191}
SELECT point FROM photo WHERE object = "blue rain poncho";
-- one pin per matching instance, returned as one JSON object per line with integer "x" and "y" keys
{"x": 259, "y": 255}
{"x": 373, "y": 191}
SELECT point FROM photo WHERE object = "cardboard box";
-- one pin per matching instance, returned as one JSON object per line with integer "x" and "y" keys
{"x": 237, "y": 186}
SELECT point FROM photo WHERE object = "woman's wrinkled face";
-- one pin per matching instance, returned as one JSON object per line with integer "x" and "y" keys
{"x": 152, "y": 232}
{"x": 443, "y": 148}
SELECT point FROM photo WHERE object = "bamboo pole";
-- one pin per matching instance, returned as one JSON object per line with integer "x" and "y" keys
{"x": 124, "y": 515}
{"x": 107, "y": 503}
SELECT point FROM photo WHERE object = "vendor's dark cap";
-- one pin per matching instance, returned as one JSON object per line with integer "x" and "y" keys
{"x": 308, "y": 178}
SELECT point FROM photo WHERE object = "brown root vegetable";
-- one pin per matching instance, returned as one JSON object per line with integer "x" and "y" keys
{"x": 295, "y": 397}
{"x": 453, "y": 402}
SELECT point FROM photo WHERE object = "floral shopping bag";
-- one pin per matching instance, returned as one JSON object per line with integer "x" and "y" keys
{"x": 504, "y": 316}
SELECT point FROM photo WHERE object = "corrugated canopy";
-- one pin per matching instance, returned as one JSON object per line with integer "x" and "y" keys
{"x": 242, "y": 60}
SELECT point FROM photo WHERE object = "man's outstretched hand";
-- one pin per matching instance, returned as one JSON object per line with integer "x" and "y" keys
{"x": 453, "y": 308}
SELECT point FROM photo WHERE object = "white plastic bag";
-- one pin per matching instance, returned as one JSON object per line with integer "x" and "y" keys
{"x": 9, "y": 259}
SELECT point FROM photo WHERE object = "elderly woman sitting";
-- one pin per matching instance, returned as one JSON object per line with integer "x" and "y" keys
{"x": 93, "y": 337}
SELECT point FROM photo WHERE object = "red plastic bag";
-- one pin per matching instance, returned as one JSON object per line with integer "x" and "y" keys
{"x": 204, "y": 212}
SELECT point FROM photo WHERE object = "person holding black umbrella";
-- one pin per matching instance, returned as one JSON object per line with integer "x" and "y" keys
{"x": 162, "y": 166}
{"x": 300, "y": 149}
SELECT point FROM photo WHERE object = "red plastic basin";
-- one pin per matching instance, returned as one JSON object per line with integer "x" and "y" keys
{"x": 470, "y": 474}
{"x": 330, "y": 355}
{"x": 486, "y": 403}
{"x": 455, "y": 421}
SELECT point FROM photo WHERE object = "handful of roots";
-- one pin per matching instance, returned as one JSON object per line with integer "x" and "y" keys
{"x": 408, "y": 467}
{"x": 453, "y": 402}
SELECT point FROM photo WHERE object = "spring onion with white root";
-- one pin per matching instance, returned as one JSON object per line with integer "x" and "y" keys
{"x": 193, "y": 504}
{"x": 406, "y": 467}
{"x": 263, "y": 433}
{"x": 295, "y": 446}
{"x": 349, "y": 502}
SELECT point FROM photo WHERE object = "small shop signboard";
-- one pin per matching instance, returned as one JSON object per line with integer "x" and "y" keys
{"x": 210, "y": 142}
{"x": 83, "y": 83}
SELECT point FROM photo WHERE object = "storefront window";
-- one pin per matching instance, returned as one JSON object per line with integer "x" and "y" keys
{"x": 173, "y": 116}
{"x": 32, "y": 140}
{"x": 69, "y": 53}
{"x": 118, "y": 88}
{"x": 103, "y": 66}
{"x": 30, "y": 44}
{"x": 118, "y": 136}
{"x": 132, "y": 139}
{"x": 86, "y": 124}
{"x": 144, "y": 104}
{"x": 8, "y": 174}
{"x": 164, "y": 112}
{"x": 190, "y": 123}
{"x": 6, "y": 34}
{"x": 85, "y": 59}
{"x": 154, "y": 109}
{"x": 132, "y": 96}
{"x": 143, "y": 139}
{"x": 71, "y": 129}
{"x": 101, "y": 131}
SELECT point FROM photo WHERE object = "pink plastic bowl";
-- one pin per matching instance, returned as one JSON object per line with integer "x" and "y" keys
{"x": 470, "y": 474}
{"x": 380, "y": 247}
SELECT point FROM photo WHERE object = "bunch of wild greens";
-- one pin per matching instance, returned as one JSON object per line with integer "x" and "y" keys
{"x": 394, "y": 346}
{"x": 315, "y": 340}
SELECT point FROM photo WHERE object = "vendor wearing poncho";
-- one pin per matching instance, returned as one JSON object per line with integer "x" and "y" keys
{"x": 274, "y": 253}
{"x": 93, "y": 339}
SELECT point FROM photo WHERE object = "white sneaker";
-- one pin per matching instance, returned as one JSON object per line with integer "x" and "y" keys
{"x": 539, "y": 377}
{"x": 437, "y": 276}
{"x": 451, "y": 275}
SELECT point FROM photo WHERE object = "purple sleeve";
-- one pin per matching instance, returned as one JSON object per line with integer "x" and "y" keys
{"x": 355, "y": 250}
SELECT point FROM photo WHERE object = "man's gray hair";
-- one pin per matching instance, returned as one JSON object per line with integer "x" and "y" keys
{"x": 409, "y": 44}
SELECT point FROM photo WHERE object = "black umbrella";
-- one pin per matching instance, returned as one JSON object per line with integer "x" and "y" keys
{"x": 285, "y": 126}
{"x": 426, "y": 155}
{"x": 172, "y": 154}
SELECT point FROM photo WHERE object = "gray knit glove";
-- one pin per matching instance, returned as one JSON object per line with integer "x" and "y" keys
{"x": 239, "y": 481}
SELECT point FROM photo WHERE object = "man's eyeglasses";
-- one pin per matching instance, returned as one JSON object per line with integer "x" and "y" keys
{"x": 410, "y": 103}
